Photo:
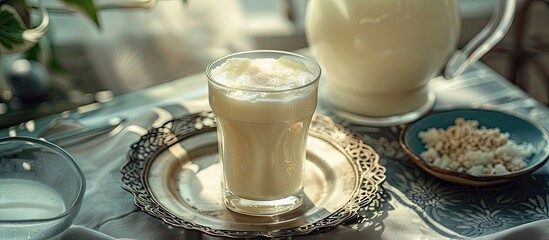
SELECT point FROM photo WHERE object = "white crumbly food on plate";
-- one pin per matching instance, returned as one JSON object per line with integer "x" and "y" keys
{"x": 466, "y": 147}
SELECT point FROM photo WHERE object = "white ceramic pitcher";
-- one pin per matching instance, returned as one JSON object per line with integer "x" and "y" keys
{"x": 377, "y": 56}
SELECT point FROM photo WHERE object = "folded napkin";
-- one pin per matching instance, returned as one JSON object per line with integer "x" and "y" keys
{"x": 83, "y": 233}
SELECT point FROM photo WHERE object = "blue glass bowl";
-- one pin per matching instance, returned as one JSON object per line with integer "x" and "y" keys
{"x": 520, "y": 129}
{"x": 41, "y": 189}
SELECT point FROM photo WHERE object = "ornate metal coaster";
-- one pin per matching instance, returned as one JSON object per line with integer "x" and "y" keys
{"x": 174, "y": 174}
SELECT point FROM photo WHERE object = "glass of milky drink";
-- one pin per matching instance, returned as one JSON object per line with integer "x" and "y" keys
{"x": 263, "y": 102}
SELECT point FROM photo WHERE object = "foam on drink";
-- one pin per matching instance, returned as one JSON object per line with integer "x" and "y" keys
{"x": 263, "y": 113}
{"x": 263, "y": 73}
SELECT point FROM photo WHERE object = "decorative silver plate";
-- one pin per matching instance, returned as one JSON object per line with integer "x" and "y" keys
{"x": 173, "y": 173}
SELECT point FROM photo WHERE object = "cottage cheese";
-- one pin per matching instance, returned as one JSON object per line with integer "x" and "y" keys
{"x": 466, "y": 147}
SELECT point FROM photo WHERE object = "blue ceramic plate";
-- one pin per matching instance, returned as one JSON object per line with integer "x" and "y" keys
{"x": 519, "y": 128}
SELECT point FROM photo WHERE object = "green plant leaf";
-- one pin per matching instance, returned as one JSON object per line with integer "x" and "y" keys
{"x": 87, "y": 7}
{"x": 184, "y": 2}
{"x": 11, "y": 28}
{"x": 21, "y": 9}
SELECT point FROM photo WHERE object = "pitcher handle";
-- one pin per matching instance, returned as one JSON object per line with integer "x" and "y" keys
{"x": 493, "y": 32}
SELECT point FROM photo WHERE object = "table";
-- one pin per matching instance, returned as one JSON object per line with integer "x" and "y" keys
{"x": 413, "y": 204}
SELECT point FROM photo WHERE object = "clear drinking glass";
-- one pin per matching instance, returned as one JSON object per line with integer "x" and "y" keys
{"x": 262, "y": 138}
{"x": 41, "y": 189}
